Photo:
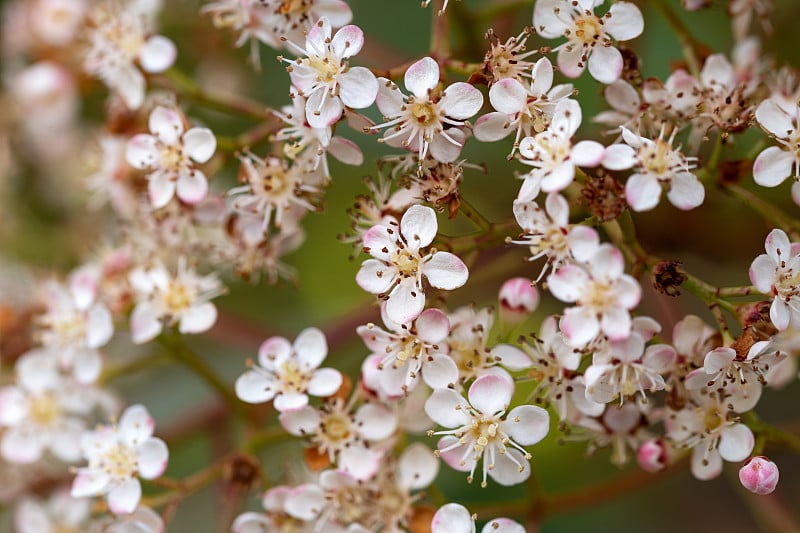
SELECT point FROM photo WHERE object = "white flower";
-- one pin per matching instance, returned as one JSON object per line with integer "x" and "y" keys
{"x": 76, "y": 325}
{"x": 350, "y": 438}
{"x": 119, "y": 39}
{"x": 549, "y": 234}
{"x": 588, "y": 35}
{"x": 555, "y": 365}
{"x": 706, "y": 426}
{"x": 626, "y": 368}
{"x": 417, "y": 122}
{"x": 302, "y": 138}
{"x": 272, "y": 186}
{"x": 655, "y": 163}
{"x": 290, "y": 21}
{"x": 481, "y": 432}
{"x": 603, "y": 294}
{"x": 776, "y": 163}
{"x": 553, "y": 155}
{"x": 289, "y": 372}
{"x": 171, "y": 154}
{"x": 118, "y": 456}
{"x": 42, "y": 411}
{"x": 408, "y": 350}
{"x": 777, "y": 272}
{"x": 520, "y": 109}
{"x": 164, "y": 298}
{"x": 60, "y": 513}
{"x": 324, "y": 77}
{"x": 468, "y": 343}
{"x": 398, "y": 266}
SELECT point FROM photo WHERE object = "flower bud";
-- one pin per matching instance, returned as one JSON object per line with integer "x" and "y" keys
{"x": 518, "y": 298}
{"x": 759, "y": 475}
{"x": 652, "y": 455}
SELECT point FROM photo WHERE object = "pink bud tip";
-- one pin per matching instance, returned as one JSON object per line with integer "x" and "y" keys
{"x": 518, "y": 297}
{"x": 759, "y": 475}
{"x": 652, "y": 456}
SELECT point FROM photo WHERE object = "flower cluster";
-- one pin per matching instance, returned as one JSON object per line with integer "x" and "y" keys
{"x": 198, "y": 189}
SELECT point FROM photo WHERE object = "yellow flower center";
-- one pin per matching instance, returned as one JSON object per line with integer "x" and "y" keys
{"x": 44, "y": 409}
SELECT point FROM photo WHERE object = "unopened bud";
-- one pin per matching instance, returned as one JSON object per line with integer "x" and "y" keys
{"x": 759, "y": 475}
{"x": 518, "y": 298}
{"x": 652, "y": 455}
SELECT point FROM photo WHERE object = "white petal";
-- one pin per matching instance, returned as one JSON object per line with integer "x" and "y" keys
{"x": 773, "y": 166}
{"x": 302, "y": 422}
{"x": 375, "y": 421}
{"x": 508, "y": 96}
{"x": 605, "y": 64}
{"x": 375, "y": 276}
{"x": 22, "y": 444}
{"x": 548, "y": 18}
{"x": 461, "y": 101}
{"x": 124, "y": 498}
{"x": 199, "y": 144}
{"x": 306, "y": 502}
{"x": 511, "y": 357}
{"x": 570, "y": 61}
{"x": 152, "y": 455}
{"x": 417, "y": 467}
{"x": 736, "y": 442}
{"x": 255, "y": 387}
{"x": 491, "y": 394}
{"x": 642, "y": 192}
{"x": 568, "y": 282}
{"x": 405, "y": 302}
{"x": 587, "y": 154}
{"x": 492, "y": 127}
{"x": 502, "y": 525}
{"x": 145, "y": 326}
{"x": 166, "y": 124}
{"x": 129, "y": 83}
{"x": 292, "y": 401}
{"x": 419, "y": 226}
{"x": 686, "y": 191}
{"x": 527, "y": 424}
{"x": 311, "y": 348}
{"x": 445, "y": 271}
{"x": 324, "y": 382}
{"x": 359, "y": 462}
{"x": 160, "y": 188}
{"x": 89, "y": 483}
{"x": 506, "y": 471}
{"x": 141, "y": 151}
{"x": 348, "y": 41}
{"x": 542, "y": 78}
{"x": 625, "y": 21}
{"x": 619, "y": 157}
{"x": 346, "y": 151}
{"x": 433, "y": 326}
{"x": 422, "y": 76}
{"x": 580, "y": 325}
{"x": 358, "y": 88}
{"x": 440, "y": 371}
{"x": 583, "y": 242}
{"x": 705, "y": 466}
{"x": 622, "y": 96}
{"x": 452, "y": 518}
{"x": 762, "y": 273}
{"x": 323, "y": 109}
{"x": 157, "y": 54}
{"x": 447, "y": 408}
{"x": 198, "y": 318}
{"x": 136, "y": 425}
{"x": 774, "y": 119}
{"x": 718, "y": 359}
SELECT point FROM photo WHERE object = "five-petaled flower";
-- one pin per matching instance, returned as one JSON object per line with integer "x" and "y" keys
{"x": 399, "y": 265}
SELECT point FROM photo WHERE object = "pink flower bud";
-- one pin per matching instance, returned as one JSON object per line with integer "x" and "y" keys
{"x": 518, "y": 298}
{"x": 759, "y": 475}
{"x": 652, "y": 455}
